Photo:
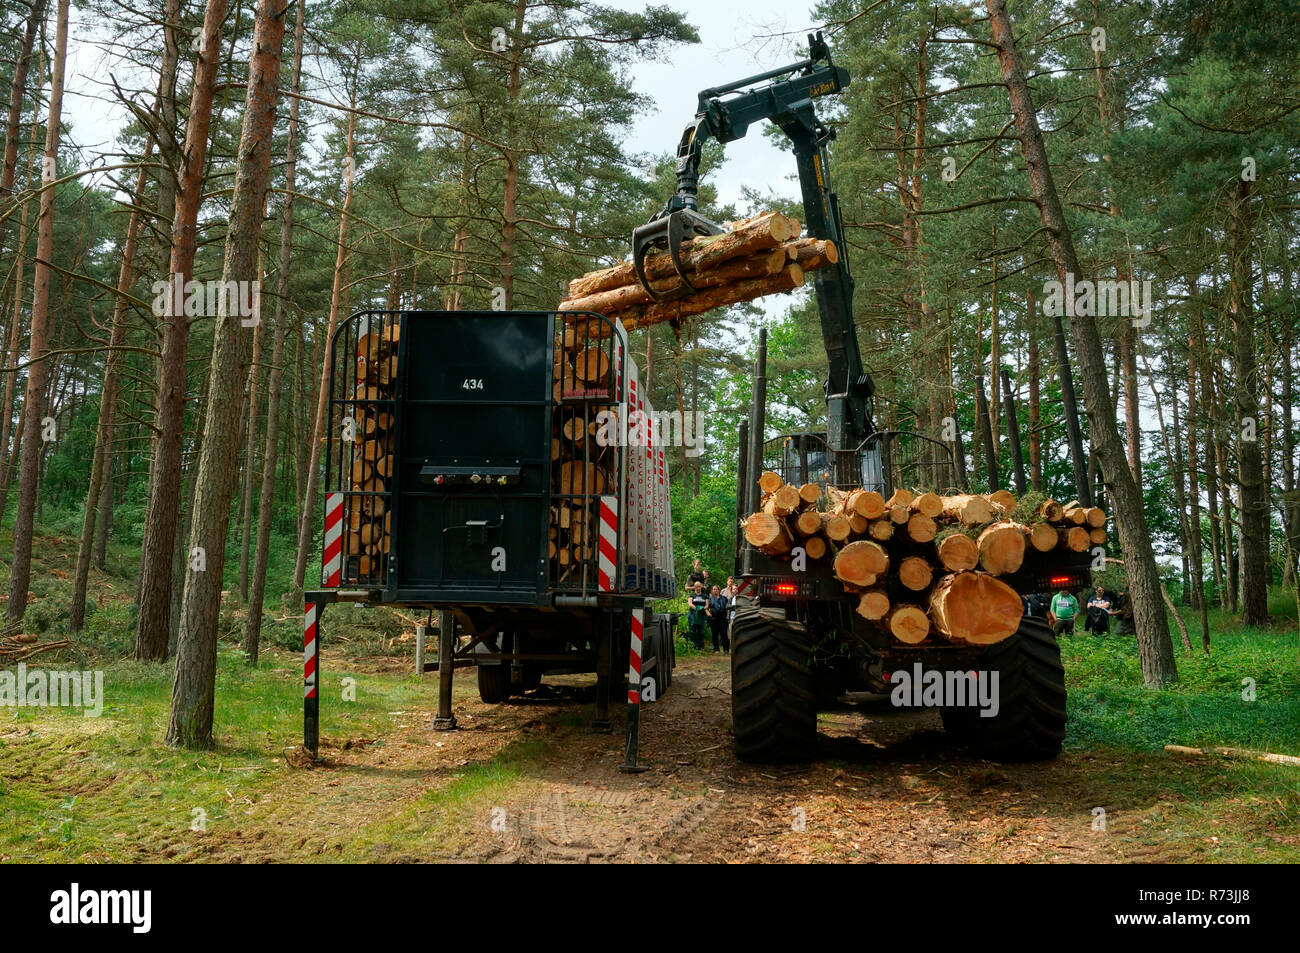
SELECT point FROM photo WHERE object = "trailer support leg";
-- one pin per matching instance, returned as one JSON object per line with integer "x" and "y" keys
{"x": 421, "y": 632}
{"x": 604, "y": 665}
{"x": 629, "y": 765}
{"x": 311, "y": 678}
{"x": 445, "y": 720}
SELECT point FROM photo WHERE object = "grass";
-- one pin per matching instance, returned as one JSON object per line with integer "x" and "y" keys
{"x": 78, "y": 788}
{"x": 1207, "y": 706}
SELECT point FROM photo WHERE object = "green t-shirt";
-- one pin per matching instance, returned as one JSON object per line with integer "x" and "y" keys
{"x": 1064, "y": 606}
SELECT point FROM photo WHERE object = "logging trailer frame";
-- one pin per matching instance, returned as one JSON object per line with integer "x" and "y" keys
{"x": 441, "y": 482}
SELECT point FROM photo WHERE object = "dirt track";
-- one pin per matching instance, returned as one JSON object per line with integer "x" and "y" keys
{"x": 886, "y": 787}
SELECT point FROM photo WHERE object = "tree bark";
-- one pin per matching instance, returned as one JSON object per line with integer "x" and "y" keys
{"x": 196, "y": 650}
{"x": 253, "y": 624}
{"x": 17, "y": 87}
{"x": 163, "y": 514}
{"x": 1155, "y": 648}
{"x": 307, "y": 521}
{"x": 107, "y": 405}
{"x": 38, "y": 369}
{"x": 1253, "y": 507}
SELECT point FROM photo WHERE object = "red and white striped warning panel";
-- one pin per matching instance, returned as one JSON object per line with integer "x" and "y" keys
{"x": 332, "y": 558}
{"x": 309, "y": 650}
{"x": 607, "y": 566}
{"x": 634, "y": 661}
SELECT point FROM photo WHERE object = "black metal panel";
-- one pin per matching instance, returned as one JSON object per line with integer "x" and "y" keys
{"x": 474, "y": 428}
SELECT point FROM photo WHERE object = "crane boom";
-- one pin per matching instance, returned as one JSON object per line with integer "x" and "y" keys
{"x": 784, "y": 96}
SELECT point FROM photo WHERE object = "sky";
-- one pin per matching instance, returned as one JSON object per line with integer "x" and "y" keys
{"x": 734, "y": 43}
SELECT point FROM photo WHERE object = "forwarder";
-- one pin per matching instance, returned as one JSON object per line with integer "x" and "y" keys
{"x": 797, "y": 643}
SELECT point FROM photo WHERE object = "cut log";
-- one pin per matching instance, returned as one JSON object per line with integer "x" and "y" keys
{"x": 881, "y": 530}
{"x": 644, "y": 316}
{"x": 898, "y": 515}
{"x": 858, "y": 524}
{"x": 1073, "y": 538}
{"x": 810, "y": 493}
{"x": 969, "y": 509}
{"x": 1042, "y": 537}
{"x": 957, "y": 551}
{"x": 1002, "y": 548}
{"x": 1051, "y": 511}
{"x": 1096, "y": 517}
{"x": 812, "y": 253}
{"x": 900, "y": 498}
{"x": 613, "y": 300}
{"x": 592, "y": 365}
{"x": 768, "y": 534}
{"x": 866, "y": 503}
{"x": 756, "y": 234}
{"x": 1097, "y": 536}
{"x": 928, "y": 504}
{"x": 915, "y": 573}
{"x": 1076, "y": 514}
{"x": 783, "y": 502}
{"x": 861, "y": 563}
{"x": 974, "y": 608}
{"x": 577, "y": 477}
{"x": 815, "y": 547}
{"x": 661, "y": 265}
{"x": 1003, "y": 498}
{"x": 873, "y": 604}
{"x": 809, "y": 522}
{"x": 770, "y": 482}
{"x": 922, "y": 529}
{"x": 836, "y": 527}
{"x": 908, "y": 624}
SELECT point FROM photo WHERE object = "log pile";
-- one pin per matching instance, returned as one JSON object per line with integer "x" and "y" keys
{"x": 581, "y": 463}
{"x": 367, "y": 522}
{"x": 757, "y": 256}
{"x": 922, "y": 565}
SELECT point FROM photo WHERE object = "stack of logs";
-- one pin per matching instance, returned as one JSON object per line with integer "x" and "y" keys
{"x": 757, "y": 256}
{"x": 583, "y": 375}
{"x": 367, "y": 519}
{"x": 921, "y": 563}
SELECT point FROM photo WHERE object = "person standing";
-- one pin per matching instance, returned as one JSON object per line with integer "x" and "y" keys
{"x": 698, "y": 617}
{"x": 1064, "y": 608}
{"x": 717, "y": 611}
{"x": 697, "y": 575}
{"x": 1099, "y": 612}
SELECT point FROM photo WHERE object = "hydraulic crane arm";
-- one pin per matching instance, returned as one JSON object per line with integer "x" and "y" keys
{"x": 783, "y": 96}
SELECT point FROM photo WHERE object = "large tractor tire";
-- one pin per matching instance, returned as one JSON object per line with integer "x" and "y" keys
{"x": 1030, "y": 723}
{"x": 493, "y": 682}
{"x": 773, "y": 704}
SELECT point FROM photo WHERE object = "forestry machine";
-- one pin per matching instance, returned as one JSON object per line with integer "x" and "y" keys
{"x": 797, "y": 643}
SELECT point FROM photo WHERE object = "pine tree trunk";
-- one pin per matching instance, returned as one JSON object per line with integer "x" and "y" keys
{"x": 250, "y": 453}
{"x": 38, "y": 369}
{"x": 196, "y": 649}
{"x": 1155, "y": 649}
{"x": 1253, "y": 509}
{"x": 163, "y": 514}
{"x": 307, "y": 521}
{"x": 253, "y": 624}
{"x": 17, "y": 87}
{"x": 107, "y": 405}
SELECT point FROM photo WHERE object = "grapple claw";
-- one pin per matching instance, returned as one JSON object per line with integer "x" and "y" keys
{"x": 668, "y": 231}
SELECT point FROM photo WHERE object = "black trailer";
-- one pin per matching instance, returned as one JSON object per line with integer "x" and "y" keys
{"x": 441, "y": 489}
